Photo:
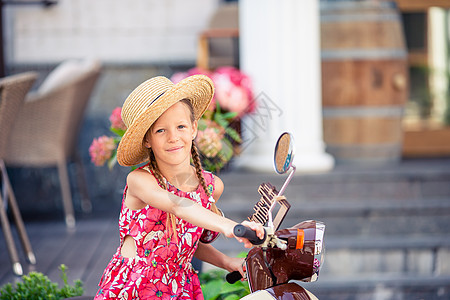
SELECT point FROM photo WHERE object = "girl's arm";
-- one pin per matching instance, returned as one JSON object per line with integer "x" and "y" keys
{"x": 142, "y": 187}
{"x": 209, "y": 254}
{"x": 218, "y": 188}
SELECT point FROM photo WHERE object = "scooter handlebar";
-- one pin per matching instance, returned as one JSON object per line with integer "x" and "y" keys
{"x": 233, "y": 277}
{"x": 245, "y": 232}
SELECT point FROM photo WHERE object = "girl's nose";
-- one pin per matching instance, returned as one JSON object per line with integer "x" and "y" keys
{"x": 173, "y": 136}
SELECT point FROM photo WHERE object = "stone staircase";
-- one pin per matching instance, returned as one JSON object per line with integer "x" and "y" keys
{"x": 387, "y": 234}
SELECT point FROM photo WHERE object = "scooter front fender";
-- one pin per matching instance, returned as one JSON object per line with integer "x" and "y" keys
{"x": 258, "y": 274}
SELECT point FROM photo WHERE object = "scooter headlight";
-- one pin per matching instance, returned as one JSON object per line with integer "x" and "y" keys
{"x": 319, "y": 251}
{"x": 304, "y": 255}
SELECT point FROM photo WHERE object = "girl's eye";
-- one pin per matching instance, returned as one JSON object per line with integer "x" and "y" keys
{"x": 181, "y": 126}
{"x": 159, "y": 131}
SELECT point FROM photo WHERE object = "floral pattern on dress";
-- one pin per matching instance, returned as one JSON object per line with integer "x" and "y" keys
{"x": 162, "y": 267}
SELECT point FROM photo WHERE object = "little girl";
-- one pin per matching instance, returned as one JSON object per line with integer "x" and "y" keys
{"x": 168, "y": 210}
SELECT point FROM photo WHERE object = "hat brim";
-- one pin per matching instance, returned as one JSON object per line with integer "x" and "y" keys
{"x": 199, "y": 89}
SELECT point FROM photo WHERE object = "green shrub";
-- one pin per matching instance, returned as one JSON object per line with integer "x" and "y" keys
{"x": 37, "y": 286}
{"x": 215, "y": 287}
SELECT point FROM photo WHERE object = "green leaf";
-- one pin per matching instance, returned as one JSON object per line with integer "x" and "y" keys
{"x": 208, "y": 166}
{"x": 226, "y": 153}
{"x": 113, "y": 160}
{"x": 118, "y": 132}
{"x": 201, "y": 124}
{"x": 230, "y": 288}
{"x": 242, "y": 254}
{"x": 211, "y": 290}
{"x": 117, "y": 139}
{"x": 229, "y": 115}
{"x": 232, "y": 297}
{"x": 218, "y": 110}
{"x": 214, "y": 285}
{"x": 63, "y": 270}
{"x": 233, "y": 134}
{"x": 219, "y": 119}
{"x": 212, "y": 275}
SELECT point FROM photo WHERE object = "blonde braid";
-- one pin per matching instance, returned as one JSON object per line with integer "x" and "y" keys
{"x": 199, "y": 173}
{"x": 171, "y": 221}
{"x": 154, "y": 168}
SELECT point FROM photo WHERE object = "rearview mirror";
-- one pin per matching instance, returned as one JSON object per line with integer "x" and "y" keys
{"x": 284, "y": 153}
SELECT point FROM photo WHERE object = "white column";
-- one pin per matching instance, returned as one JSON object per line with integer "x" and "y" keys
{"x": 280, "y": 50}
{"x": 437, "y": 61}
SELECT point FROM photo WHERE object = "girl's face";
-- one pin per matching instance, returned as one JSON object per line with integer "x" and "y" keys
{"x": 170, "y": 137}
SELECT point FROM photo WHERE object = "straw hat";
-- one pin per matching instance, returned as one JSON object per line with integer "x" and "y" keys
{"x": 149, "y": 101}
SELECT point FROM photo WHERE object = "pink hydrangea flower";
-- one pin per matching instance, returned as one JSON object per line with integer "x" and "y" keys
{"x": 101, "y": 149}
{"x": 233, "y": 90}
{"x": 116, "y": 119}
{"x": 177, "y": 77}
{"x": 196, "y": 71}
{"x": 209, "y": 141}
{"x": 231, "y": 97}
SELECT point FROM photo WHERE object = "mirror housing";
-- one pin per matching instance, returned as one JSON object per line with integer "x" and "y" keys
{"x": 284, "y": 153}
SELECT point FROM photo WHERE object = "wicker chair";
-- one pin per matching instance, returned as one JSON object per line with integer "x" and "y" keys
{"x": 47, "y": 128}
{"x": 13, "y": 90}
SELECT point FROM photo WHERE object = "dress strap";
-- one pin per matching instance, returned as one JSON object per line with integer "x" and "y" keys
{"x": 209, "y": 180}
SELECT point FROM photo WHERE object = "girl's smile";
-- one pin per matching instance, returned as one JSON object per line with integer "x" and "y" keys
{"x": 173, "y": 149}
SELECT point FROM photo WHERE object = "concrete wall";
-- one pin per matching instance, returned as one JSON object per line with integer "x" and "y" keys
{"x": 137, "y": 31}
{"x": 135, "y": 40}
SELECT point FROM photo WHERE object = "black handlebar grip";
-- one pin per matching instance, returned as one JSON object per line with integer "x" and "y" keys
{"x": 245, "y": 232}
{"x": 232, "y": 277}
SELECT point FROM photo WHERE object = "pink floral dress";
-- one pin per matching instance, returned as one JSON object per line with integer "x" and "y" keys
{"x": 162, "y": 267}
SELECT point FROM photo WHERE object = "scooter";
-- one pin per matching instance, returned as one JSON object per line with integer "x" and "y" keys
{"x": 295, "y": 253}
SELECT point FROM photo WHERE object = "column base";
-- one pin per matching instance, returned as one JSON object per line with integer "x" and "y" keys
{"x": 306, "y": 163}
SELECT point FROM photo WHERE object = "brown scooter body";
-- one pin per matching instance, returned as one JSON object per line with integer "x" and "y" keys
{"x": 270, "y": 269}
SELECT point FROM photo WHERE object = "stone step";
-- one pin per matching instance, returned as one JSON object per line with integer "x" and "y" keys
{"x": 349, "y": 255}
{"x": 410, "y": 181}
{"x": 381, "y": 286}
{"x": 405, "y": 242}
{"x": 350, "y": 191}
{"x": 376, "y": 217}
{"x": 346, "y": 208}
{"x": 364, "y": 243}
{"x": 422, "y": 255}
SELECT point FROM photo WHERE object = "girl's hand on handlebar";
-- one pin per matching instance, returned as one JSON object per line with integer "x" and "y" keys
{"x": 236, "y": 264}
{"x": 258, "y": 228}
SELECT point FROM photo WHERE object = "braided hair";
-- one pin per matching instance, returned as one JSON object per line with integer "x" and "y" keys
{"x": 198, "y": 171}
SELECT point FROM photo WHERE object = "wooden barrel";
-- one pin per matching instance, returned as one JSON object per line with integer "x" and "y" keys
{"x": 364, "y": 80}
